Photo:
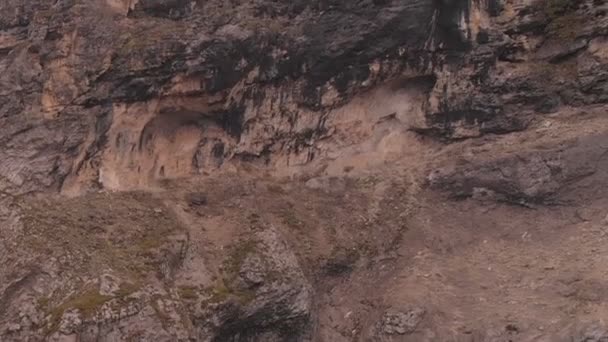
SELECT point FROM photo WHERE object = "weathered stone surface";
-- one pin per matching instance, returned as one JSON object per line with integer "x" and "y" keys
{"x": 172, "y": 88}
{"x": 275, "y": 298}
{"x": 530, "y": 177}
{"x": 401, "y": 323}
{"x": 111, "y": 95}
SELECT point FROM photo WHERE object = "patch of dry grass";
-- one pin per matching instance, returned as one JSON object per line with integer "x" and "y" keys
{"x": 122, "y": 232}
{"x": 188, "y": 292}
{"x": 87, "y": 302}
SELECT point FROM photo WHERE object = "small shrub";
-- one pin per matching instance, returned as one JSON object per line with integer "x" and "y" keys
{"x": 125, "y": 290}
{"x": 220, "y": 293}
{"x": 188, "y": 292}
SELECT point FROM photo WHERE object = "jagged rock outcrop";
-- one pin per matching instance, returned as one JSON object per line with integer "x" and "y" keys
{"x": 534, "y": 176}
{"x": 253, "y": 77}
{"x": 474, "y": 99}
{"x": 86, "y": 271}
{"x": 120, "y": 92}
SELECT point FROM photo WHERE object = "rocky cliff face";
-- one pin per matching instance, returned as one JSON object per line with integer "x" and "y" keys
{"x": 120, "y": 93}
{"x": 145, "y": 143}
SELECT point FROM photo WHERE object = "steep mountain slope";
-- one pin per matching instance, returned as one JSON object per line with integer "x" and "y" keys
{"x": 372, "y": 170}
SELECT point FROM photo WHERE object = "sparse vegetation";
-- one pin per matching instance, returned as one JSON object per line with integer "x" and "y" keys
{"x": 221, "y": 293}
{"x": 86, "y": 302}
{"x": 290, "y": 218}
{"x": 237, "y": 255}
{"x": 150, "y": 243}
{"x": 43, "y": 303}
{"x": 126, "y": 289}
{"x": 244, "y": 297}
{"x": 125, "y": 232}
{"x": 225, "y": 287}
{"x": 188, "y": 292}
